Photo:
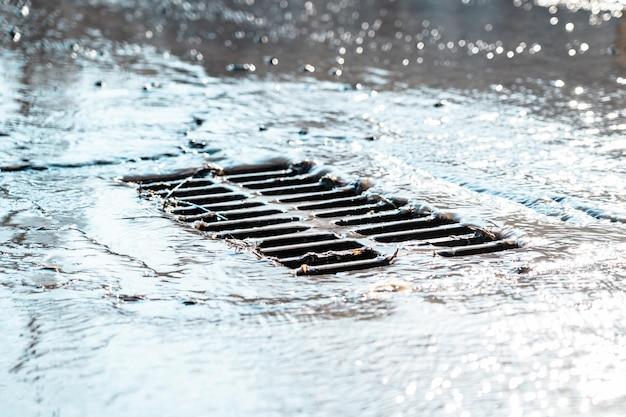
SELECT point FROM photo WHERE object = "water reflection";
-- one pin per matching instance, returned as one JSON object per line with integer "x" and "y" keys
{"x": 107, "y": 299}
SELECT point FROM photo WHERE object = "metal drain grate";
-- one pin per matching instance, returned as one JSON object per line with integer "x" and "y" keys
{"x": 306, "y": 219}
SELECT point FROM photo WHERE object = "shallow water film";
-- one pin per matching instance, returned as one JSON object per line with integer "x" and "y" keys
{"x": 507, "y": 113}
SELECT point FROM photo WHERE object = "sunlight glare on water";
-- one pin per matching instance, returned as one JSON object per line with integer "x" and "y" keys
{"x": 474, "y": 108}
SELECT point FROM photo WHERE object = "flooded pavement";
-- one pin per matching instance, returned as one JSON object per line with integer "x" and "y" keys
{"x": 509, "y": 112}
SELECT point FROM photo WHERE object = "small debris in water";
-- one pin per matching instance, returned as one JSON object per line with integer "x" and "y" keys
{"x": 15, "y": 35}
{"x": 434, "y": 299}
{"x": 308, "y": 68}
{"x": 150, "y": 86}
{"x": 130, "y": 298}
{"x": 272, "y": 60}
{"x": 240, "y": 67}
{"x": 51, "y": 267}
{"x": 197, "y": 144}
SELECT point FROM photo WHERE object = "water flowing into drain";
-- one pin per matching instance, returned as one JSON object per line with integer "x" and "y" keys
{"x": 308, "y": 220}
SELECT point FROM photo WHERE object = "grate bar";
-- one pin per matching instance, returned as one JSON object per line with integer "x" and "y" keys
{"x": 248, "y": 214}
{"x": 261, "y": 232}
{"x": 282, "y": 182}
{"x": 358, "y": 210}
{"x": 262, "y": 176}
{"x": 213, "y": 198}
{"x": 303, "y": 248}
{"x": 245, "y": 224}
{"x": 336, "y": 203}
{"x": 457, "y": 240}
{"x": 229, "y": 215}
{"x": 296, "y": 239}
{"x": 343, "y": 267}
{"x": 403, "y": 214}
{"x": 410, "y": 224}
{"x": 332, "y": 257}
{"x": 421, "y": 234}
{"x": 206, "y": 208}
{"x": 168, "y": 185}
{"x": 195, "y": 182}
{"x": 325, "y": 195}
{"x": 297, "y": 189}
{"x": 194, "y": 191}
{"x": 489, "y": 247}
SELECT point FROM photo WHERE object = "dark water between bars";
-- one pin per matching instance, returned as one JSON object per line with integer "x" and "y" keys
{"x": 506, "y": 111}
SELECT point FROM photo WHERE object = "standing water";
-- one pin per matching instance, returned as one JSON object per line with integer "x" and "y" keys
{"x": 504, "y": 111}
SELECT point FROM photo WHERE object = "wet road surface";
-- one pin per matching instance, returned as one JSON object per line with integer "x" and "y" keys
{"x": 510, "y": 112}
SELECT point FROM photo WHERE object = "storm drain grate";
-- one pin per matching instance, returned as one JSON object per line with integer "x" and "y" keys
{"x": 306, "y": 219}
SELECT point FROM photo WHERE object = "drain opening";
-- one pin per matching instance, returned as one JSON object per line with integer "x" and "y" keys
{"x": 306, "y": 220}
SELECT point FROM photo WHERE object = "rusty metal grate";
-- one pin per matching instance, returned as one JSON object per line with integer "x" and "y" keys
{"x": 306, "y": 219}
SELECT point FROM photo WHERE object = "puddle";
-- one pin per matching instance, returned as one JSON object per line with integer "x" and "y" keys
{"x": 510, "y": 111}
